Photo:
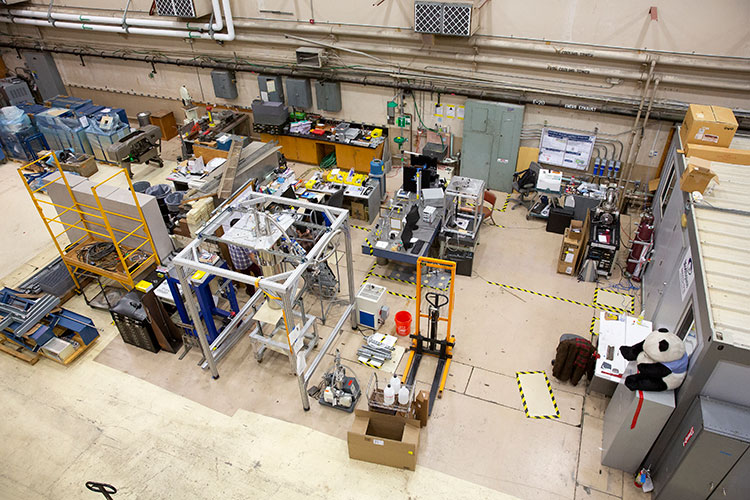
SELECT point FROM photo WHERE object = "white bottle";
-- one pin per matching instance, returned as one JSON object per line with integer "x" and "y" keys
{"x": 403, "y": 395}
{"x": 388, "y": 395}
{"x": 395, "y": 383}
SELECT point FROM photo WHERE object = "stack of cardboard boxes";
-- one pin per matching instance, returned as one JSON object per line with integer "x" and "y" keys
{"x": 706, "y": 134}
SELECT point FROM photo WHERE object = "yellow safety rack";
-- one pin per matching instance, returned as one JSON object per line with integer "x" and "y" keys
{"x": 129, "y": 263}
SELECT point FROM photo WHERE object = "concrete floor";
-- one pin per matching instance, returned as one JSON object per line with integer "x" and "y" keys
{"x": 158, "y": 427}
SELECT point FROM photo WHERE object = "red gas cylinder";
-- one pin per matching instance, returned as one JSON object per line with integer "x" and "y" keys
{"x": 640, "y": 247}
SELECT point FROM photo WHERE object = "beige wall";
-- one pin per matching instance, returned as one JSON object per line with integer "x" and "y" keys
{"x": 683, "y": 26}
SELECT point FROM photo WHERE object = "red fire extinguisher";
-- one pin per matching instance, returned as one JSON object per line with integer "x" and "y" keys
{"x": 640, "y": 247}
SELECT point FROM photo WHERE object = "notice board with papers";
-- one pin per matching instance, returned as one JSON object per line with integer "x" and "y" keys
{"x": 566, "y": 149}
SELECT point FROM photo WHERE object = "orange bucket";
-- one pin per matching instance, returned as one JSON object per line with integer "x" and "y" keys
{"x": 403, "y": 323}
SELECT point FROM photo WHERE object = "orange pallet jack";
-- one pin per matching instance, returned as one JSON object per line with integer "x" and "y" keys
{"x": 430, "y": 344}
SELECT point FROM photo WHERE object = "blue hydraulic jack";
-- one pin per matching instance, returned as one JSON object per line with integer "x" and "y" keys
{"x": 201, "y": 284}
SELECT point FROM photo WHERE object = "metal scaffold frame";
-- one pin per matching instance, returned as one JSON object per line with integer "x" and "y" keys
{"x": 127, "y": 268}
{"x": 286, "y": 287}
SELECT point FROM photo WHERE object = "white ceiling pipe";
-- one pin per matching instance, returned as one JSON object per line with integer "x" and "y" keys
{"x": 224, "y": 37}
{"x": 495, "y": 44}
{"x": 520, "y": 63}
{"x": 217, "y": 25}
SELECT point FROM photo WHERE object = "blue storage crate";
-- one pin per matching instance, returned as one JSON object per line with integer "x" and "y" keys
{"x": 20, "y": 138}
{"x": 101, "y": 137}
{"x": 89, "y": 110}
{"x": 121, "y": 114}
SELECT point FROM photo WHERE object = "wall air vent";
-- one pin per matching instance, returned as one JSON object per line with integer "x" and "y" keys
{"x": 183, "y": 8}
{"x": 311, "y": 57}
{"x": 445, "y": 18}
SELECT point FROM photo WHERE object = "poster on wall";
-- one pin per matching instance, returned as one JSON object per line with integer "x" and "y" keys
{"x": 566, "y": 149}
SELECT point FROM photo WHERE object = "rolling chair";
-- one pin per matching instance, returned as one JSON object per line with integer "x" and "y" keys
{"x": 525, "y": 183}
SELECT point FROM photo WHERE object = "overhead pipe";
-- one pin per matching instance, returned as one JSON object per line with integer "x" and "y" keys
{"x": 631, "y": 163}
{"x": 411, "y": 53}
{"x": 514, "y": 62}
{"x": 217, "y": 25}
{"x": 492, "y": 42}
{"x": 637, "y": 120}
{"x": 89, "y": 24}
{"x": 605, "y": 104}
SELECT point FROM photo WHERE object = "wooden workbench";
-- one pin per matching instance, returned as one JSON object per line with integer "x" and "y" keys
{"x": 311, "y": 150}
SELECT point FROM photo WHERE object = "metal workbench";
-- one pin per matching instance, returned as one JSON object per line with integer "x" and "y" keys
{"x": 380, "y": 243}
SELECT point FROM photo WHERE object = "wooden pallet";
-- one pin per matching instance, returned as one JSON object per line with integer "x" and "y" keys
{"x": 10, "y": 347}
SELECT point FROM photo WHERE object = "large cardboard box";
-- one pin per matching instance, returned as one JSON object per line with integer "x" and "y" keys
{"x": 708, "y": 125}
{"x": 697, "y": 176}
{"x": 384, "y": 439}
{"x": 571, "y": 249}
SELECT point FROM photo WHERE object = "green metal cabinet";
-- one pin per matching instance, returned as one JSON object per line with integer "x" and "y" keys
{"x": 492, "y": 134}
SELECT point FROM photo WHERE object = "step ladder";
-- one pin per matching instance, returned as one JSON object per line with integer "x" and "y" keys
{"x": 230, "y": 170}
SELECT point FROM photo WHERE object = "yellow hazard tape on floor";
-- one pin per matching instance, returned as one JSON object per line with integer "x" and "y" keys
{"x": 592, "y": 328}
{"x": 538, "y": 400}
{"x": 369, "y": 273}
{"x": 410, "y": 282}
{"x": 505, "y": 205}
{"x": 600, "y": 307}
{"x": 403, "y": 295}
{"x": 361, "y": 228}
{"x": 630, "y": 298}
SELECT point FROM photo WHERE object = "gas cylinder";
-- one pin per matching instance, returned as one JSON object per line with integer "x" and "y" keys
{"x": 640, "y": 247}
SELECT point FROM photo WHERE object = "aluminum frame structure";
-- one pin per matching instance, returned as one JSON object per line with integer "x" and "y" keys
{"x": 285, "y": 287}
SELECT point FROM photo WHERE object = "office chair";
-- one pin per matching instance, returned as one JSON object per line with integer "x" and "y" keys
{"x": 525, "y": 183}
{"x": 489, "y": 212}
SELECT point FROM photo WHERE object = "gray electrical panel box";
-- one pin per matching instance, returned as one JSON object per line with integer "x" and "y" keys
{"x": 45, "y": 73}
{"x": 328, "y": 96}
{"x": 225, "y": 83}
{"x": 703, "y": 450}
{"x": 298, "y": 92}
{"x": 270, "y": 88}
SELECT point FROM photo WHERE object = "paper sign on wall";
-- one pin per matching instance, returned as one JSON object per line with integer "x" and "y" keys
{"x": 565, "y": 149}
{"x": 450, "y": 111}
{"x": 438, "y": 110}
{"x": 686, "y": 274}
{"x": 460, "y": 111}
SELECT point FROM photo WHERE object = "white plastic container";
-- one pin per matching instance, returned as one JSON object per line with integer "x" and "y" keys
{"x": 395, "y": 383}
{"x": 403, "y": 395}
{"x": 389, "y": 395}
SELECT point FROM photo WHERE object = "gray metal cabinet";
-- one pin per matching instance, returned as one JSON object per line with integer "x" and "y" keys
{"x": 492, "y": 134}
{"x": 736, "y": 486}
{"x": 225, "y": 83}
{"x": 707, "y": 444}
{"x": 45, "y": 73}
{"x": 298, "y": 93}
{"x": 669, "y": 243}
{"x": 270, "y": 88}
{"x": 328, "y": 96}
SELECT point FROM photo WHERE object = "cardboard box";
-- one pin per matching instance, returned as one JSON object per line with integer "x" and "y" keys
{"x": 708, "y": 125}
{"x": 86, "y": 168}
{"x": 697, "y": 176}
{"x": 715, "y": 153}
{"x": 571, "y": 249}
{"x": 384, "y": 439}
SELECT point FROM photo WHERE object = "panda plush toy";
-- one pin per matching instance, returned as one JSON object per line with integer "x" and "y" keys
{"x": 662, "y": 362}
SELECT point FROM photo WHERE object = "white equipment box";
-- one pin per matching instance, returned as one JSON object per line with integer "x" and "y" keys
{"x": 371, "y": 305}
